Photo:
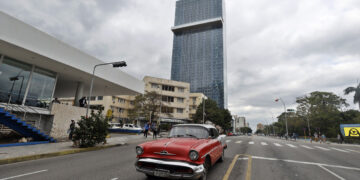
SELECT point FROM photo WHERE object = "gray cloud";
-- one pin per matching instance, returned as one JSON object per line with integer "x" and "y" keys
{"x": 284, "y": 49}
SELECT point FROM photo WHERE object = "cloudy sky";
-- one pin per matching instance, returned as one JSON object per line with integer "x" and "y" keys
{"x": 282, "y": 48}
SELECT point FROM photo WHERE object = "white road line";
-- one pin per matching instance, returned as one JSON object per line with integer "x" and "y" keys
{"x": 114, "y": 179}
{"x": 325, "y": 149}
{"x": 251, "y": 142}
{"x": 307, "y": 147}
{"x": 352, "y": 150}
{"x": 304, "y": 162}
{"x": 341, "y": 178}
{"x": 26, "y": 174}
{"x": 339, "y": 150}
{"x": 228, "y": 141}
{"x": 291, "y": 145}
{"x": 277, "y": 144}
{"x": 264, "y": 143}
{"x": 238, "y": 142}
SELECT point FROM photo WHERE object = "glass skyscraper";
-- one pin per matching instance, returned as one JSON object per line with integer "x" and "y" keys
{"x": 199, "y": 52}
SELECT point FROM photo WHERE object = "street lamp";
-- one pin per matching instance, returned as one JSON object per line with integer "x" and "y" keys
{"x": 204, "y": 98}
{"x": 287, "y": 132}
{"x": 115, "y": 65}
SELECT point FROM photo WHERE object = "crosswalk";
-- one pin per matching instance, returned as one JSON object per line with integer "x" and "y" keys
{"x": 294, "y": 146}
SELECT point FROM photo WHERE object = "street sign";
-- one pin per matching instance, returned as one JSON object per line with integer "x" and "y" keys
{"x": 350, "y": 130}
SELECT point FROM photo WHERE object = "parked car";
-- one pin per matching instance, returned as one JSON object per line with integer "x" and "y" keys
{"x": 188, "y": 152}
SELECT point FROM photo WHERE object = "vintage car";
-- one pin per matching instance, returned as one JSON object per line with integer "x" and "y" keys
{"x": 188, "y": 152}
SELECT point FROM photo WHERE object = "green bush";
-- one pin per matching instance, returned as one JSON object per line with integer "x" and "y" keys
{"x": 92, "y": 130}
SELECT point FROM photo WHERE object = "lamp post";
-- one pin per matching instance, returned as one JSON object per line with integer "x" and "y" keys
{"x": 287, "y": 132}
{"x": 115, "y": 65}
{"x": 204, "y": 98}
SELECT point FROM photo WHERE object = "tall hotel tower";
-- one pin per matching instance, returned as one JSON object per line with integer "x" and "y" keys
{"x": 199, "y": 51}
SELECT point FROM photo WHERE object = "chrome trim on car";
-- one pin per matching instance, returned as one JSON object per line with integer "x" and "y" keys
{"x": 198, "y": 170}
{"x": 213, "y": 149}
{"x": 165, "y": 153}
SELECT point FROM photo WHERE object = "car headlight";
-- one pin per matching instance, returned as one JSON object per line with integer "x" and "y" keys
{"x": 139, "y": 150}
{"x": 193, "y": 155}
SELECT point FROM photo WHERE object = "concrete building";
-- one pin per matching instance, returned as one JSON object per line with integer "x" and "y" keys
{"x": 195, "y": 100}
{"x": 199, "y": 49}
{"x": 239, "y": 122}
{"x": 260, "y": 126}
{"x": 35, "y": 67}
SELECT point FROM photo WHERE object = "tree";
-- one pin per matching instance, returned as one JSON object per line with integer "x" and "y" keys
{"x": 213, "y": 113}
{"x": 148, "y": 106}
{"x": 91, "y": 130}
{"x": 322, "y": 110}
{"x": 245, "y": 130}
{"x": 356, "y": 95}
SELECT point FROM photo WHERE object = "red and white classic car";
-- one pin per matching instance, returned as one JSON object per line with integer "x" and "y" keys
{"x": 188, "y": 153}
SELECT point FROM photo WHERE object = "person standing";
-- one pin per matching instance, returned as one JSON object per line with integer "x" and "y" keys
{"x": 146, "y": 129}
{"x": 316, "y": 137}
{"x": 154, "y": 130}
{"x": 323, "y": 138}
{"x": 339, "y": 139}
{"x": 71, "y": 129}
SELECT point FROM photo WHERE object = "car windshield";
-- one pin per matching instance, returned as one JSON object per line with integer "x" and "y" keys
{"x": 189, "y": 131}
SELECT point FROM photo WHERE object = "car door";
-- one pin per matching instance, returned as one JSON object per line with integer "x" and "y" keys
{"x": 216, "y": 145}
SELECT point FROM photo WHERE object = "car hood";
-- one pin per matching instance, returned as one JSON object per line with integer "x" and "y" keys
{"x": 171, "y": 148}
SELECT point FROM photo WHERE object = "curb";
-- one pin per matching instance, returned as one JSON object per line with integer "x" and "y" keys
{"x": 54, "y": 154}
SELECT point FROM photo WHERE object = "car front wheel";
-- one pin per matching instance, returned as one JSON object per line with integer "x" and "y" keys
{"x": 207, "y": 165}
{"x": 222, "y": 158}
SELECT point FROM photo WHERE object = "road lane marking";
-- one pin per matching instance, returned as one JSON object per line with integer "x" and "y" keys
{"x": 291, "y": 145}
{"x": 352, "y": 150}
{"x": 228, "y": 141}
{"x": 264, "y": 143}
{"x": 227, "y": 174}
{"x": 339, "y": 150}
{"x": 325, "y": 149}
{"x": 304, "y": 162}
{"x": 278, "y": 145}
{"x": 341, "y": 178}
{"x": 238, "y": 142}
{"x": 248, "y": 170}
{"x": 26, "y": 174}
{"x": 307, "y": 147}
{"x": 251, "y": 142}
{"x": 114, "y": 179}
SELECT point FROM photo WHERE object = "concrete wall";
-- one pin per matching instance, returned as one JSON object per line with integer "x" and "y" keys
{"x": 62, "y": 116}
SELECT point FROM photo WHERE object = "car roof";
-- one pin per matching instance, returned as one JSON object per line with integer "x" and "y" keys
{"x": 207, "y": 126}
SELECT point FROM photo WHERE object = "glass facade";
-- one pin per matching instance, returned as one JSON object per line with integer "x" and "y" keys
{"x": 15, "y": 77}
{"x": 198, "y": 52}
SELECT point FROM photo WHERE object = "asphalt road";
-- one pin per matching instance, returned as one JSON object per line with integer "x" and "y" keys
{"x": 246, "y": 158}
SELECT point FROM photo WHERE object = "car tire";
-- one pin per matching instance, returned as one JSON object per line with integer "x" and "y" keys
{"x": 207, "y": 165}
{"x": 150, "y": 176}
{"x": 222, "y": 158}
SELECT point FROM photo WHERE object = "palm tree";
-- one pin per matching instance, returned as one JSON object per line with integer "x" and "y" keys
{"x": 356, "y": 95}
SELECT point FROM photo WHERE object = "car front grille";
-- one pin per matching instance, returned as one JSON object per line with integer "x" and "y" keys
{"x": 172, "y": 169}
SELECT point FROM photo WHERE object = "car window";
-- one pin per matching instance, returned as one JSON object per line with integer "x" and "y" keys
{"x": 189, "y": 132}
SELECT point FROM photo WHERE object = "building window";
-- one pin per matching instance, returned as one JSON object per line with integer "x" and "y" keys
{"x": 168, "y": 88}
{"x": 155, "y": 86}
{"x": 179, "y": 110}
{"x": 120, "y": 100}
{"x": 167, "y": 99}
{"x": 194, "y": 99}
{"x": 180, "y": 100}
{"x": 180, "y": 89}
{"x": 113, "y": 99}
{"x": 100, "y": 98}
{"x": 93, "y": 98}
{"x": 165, "y": 109}
{"x": 120, "y": 110}
{"x": 132, "y": 102}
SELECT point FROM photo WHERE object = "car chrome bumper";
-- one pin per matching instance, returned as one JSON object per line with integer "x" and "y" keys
{"x": 198, "y": 170}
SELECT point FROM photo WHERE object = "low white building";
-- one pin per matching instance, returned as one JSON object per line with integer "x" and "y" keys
{"x": 36, "y": 67}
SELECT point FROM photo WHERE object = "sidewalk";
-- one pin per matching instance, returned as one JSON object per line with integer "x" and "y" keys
{"x": 21, "y": 153}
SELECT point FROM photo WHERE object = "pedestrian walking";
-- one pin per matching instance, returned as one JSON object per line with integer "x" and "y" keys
{"x": 154, "y": 130}
{"x": 339, "y": 139}
{"x": 146, "y": 129}
{"x": 316, "y": 137}
{"x": 82, "y": 102}
{"x": 71, "y": 129}
{"x": 323, "y": 138}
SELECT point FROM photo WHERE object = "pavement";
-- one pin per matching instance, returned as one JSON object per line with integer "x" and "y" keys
{"x": 17, "y": 153}
{"x": 246, "y": 158}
